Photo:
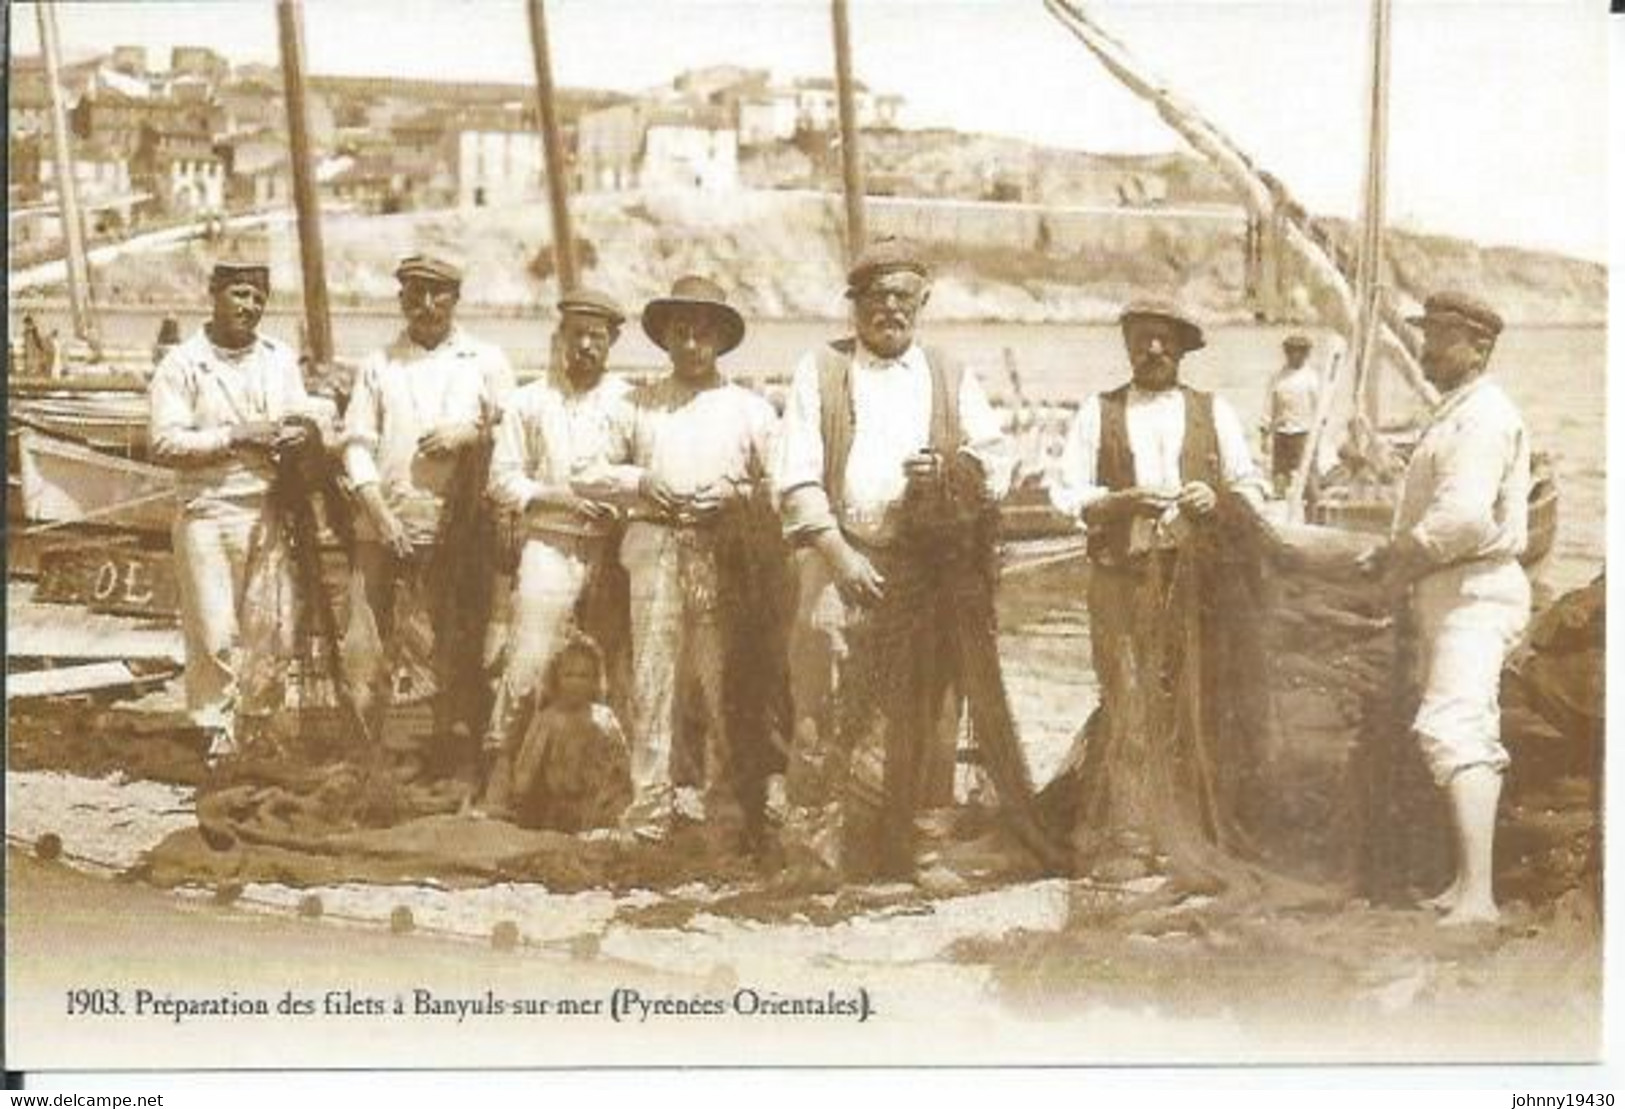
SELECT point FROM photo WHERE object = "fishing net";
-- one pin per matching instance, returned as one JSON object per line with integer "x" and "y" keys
{"x": 927, "y": 648}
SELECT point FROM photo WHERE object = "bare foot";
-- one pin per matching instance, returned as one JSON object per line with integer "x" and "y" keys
{"x": 1445, "y": 900}
{"x": 1471, "y": 912}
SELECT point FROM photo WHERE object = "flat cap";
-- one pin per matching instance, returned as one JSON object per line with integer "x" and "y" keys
{"x": 592, "y": 302}
{"x": 884, "y": 255}
{"x": 429, "y": 267}
{"x": 1461, "y": 308}
{"x": 1297, "y": 341}
{"x": 1157, "y": 309}
{"x": 242, "y": 258}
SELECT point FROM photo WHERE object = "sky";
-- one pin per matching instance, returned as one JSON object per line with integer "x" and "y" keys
{"x": 1497, "y": 117}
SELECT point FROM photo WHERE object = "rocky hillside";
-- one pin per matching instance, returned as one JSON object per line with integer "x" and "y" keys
{"x": 779, "y": 254}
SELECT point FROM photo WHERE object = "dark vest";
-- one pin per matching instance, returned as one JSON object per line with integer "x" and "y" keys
{"x": 1114, "y": 462}
{"x": 838, "y": 417}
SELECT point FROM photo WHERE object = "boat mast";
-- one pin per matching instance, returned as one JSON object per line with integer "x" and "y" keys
{"x": 1368, "y": 276}
{"x": 318, "y": 321}
{"x": 67, "y": 187}
{"x": 851, "y": 155}
{"x": 558, "y": 194}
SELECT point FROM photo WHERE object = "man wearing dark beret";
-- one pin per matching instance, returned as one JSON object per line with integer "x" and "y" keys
{"x": 421, "y": 411}
{"x": 220, "y": 405}
{"x": 1461, "y": 524}
{"x": 554, "y": 433}
{"x": 868, "y": 418}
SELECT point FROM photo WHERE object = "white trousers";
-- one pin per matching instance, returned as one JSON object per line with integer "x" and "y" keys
{"x": 677, "y": 665}
{"x": 1467, "y": 618}
{"x": 212, "y": 541}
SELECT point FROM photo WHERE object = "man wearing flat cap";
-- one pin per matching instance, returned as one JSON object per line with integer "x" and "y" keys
{"x": 872, "y": 423}
{"x": 693, "y": 446}
{"x": 417, "y": 440}
{"x": 222, "y": 404}
{"x": 1294, "y": 398}
{"x": 555, "y": 433}
{"x": 1461, "y": 525}
{"x": 1147, "y": 467}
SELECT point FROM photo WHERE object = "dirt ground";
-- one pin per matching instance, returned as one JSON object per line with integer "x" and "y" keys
{"x": 981, "y": 960}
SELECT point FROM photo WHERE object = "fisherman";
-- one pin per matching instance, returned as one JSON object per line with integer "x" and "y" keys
{"x": 553, "y": 432}
{"x": 418, "y": 434}
{"x": 1294, "y": 400}
{"x": 695, "y": 446}
{"x": 870, "y": 422}
{"x": 223, "y": 404}
{"x": 1461, "y": 524}
{"x": 1146, "y": 467}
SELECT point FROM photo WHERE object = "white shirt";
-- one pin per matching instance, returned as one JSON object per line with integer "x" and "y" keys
{"x": 891, "y": 403}
{"x": 404, "y": 391}
{"x": 1156, "y": 437}
{"x": 550, "y": 434}
{"x": 691, "y": 439}
{"x": 1466, "y": 490}
{"x": 200, "y": 392}
{"x": 1294, "y": 399}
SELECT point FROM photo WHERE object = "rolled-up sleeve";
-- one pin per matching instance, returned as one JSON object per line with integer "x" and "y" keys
{"x": 798, "y": 472}
{"x": 1461, "y": 518}
{"x": 1075, "y": 487}
{"x": 985, "y": 439}
{"x": 172, "y": 419}
{"x": 363, "y": 426}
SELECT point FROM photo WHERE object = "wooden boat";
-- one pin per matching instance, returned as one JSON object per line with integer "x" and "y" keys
{"x": 62, "y": 482}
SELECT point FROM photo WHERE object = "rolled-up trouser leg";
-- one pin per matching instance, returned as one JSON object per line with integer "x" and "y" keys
{"x": 211, "y": 545}
{"x": 1468, "y": 617}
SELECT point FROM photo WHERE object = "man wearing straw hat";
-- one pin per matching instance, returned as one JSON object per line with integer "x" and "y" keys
{"x": 869, "y": 420}
{"x": 554, "y": 433}
{"x": 220, "y": 405}
{"x": 1146, "y": 467}
{"x": 694, "y": 446}
{"x": 1461, "y": 525}
{"x": 417, "y": 436}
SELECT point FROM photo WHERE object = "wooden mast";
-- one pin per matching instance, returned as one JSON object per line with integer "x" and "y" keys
{"x": 851, "y": 155}
{"x": 1368, "y": 277}
{"x": 558, "y": 193}
{"x": 318, "y": 321}
{"x": 67, "y": 189}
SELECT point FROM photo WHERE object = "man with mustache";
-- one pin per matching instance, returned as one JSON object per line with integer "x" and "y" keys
{"x": 221, "y": 407}
{"x": 1462, "y": 522}
{"x": 421, "y": 409}
{"x": 693, "y": 446}
{"x": 555, "y": 433}
{"x": 867, "y": 419}
{"x": 1145, "y": 467}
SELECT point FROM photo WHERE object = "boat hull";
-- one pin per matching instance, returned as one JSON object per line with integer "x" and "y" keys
{"x": 63, "y": 482}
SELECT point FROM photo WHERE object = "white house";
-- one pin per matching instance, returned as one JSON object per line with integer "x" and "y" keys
{"x": 690, "y": 148}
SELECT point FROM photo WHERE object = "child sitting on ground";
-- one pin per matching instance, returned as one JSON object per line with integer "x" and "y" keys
{"x": 570, "y": 770}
